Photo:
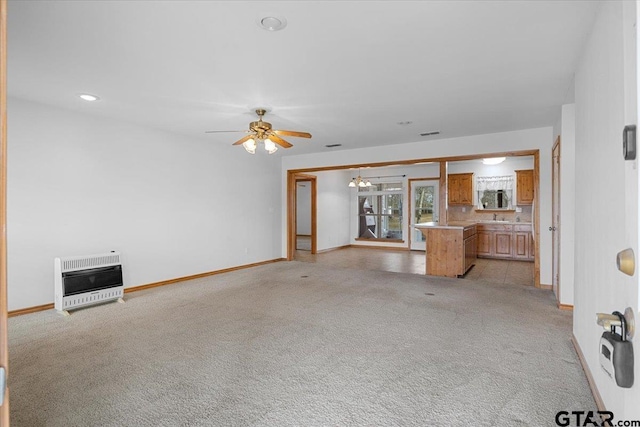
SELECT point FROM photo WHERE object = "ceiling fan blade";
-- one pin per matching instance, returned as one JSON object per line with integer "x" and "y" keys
{"x": 221, "y": 131}
{"x": 281, "y": 142}
{"x": 243, "y": 140}
{"x": 293, "y": 133}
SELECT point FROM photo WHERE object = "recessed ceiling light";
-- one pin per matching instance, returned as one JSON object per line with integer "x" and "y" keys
{"x": 88, "y": 97}
{"x": 405, "y": 123}
{"x": 493, "y": 160}
{"x": 272, "y": 22}
{"x": 435, "y": 132}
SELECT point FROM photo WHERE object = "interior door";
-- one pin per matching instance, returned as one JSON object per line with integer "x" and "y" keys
{"x": 555, "y": 221}
{"x": 424, "y": 208}
{"x": 625, "y": 289}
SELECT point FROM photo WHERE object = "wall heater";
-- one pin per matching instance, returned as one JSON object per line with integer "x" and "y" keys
{"x": 85, "y": 280}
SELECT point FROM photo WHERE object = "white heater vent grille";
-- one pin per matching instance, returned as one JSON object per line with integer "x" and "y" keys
{"x": 90, "y": 261}
{"x": 91, "y": 298}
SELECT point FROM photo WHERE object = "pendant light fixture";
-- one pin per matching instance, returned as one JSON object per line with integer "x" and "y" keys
{"x": 359, "y": 181}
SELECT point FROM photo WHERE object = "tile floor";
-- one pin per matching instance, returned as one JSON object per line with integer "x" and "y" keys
{"x": 303, "y": 243}
{"x": 413, "y": 262}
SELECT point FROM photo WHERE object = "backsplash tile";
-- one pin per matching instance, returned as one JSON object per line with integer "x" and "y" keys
{"x": 456, "y": 214}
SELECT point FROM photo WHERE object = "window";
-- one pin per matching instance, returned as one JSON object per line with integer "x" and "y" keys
{"x": 495, "y": 192}
{"x": 380, "y": 211}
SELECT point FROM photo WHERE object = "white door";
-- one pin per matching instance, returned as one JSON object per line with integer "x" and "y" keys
{"x": 424, "y": 208}
{"x": 624, "y": 292}
{"x": 555, "y": 220}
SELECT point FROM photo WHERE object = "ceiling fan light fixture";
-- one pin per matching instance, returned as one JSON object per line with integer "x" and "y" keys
{"x": 250, "y": 146}
{"x": 270, "y": 146}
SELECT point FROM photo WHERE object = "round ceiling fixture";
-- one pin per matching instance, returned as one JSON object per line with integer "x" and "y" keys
{"x": 88, "y": 97}
{"x": 493, "y": 160}
{"x": 272, "y": 22}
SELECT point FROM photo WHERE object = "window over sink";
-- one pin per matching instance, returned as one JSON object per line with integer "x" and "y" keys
{"x": 495, "y": 192}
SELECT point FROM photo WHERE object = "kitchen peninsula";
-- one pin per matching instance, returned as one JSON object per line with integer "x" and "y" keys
{"x": 451, "y": 249}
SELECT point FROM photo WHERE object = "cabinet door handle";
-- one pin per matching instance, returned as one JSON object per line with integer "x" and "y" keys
{"x": 552, "y": 229}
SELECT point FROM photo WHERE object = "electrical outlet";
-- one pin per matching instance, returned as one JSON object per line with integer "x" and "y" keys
{"x": 519, "y": 210}
{"x": 464, "y": 209}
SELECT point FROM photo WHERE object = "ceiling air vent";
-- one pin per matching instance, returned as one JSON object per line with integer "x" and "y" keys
{"x": 333, "y": 145}
{"x": 435, "y": 132}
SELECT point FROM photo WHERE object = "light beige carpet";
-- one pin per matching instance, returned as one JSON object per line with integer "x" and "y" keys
{"x": 300, "y": 344}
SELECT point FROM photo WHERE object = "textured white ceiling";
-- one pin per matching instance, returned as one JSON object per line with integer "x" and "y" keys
{"x": 346, "y": 71}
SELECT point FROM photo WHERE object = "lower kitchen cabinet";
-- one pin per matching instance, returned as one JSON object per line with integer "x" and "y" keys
{"x": 523, "y": 244}
{"x": 502, "y": 244}
{"x": 505, "y": 241}
{"x": 484, "y": 242}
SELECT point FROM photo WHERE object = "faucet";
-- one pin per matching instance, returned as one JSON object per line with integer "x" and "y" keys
{"x": 495, "y": 216}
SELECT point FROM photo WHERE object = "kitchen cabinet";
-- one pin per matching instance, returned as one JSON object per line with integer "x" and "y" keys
{"x": 451, "y": 249}
{"x": 524, "y": 187}
{"x": 505, "y": 241}
{"x": 460, "y": 188}
{"x": 523, "y": 245}
{"x": 484, "y": 242}
{"x": 502, "y": 244}
{"x": 470, "y": 251}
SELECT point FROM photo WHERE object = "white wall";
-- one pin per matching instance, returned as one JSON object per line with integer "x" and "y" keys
{"x": 332, "y": 209}
{"x": 173, "y": 206}
{"x": 540, "y": 138}
{"x": 606, "y": 192}
{"x": 567, "y": 202}
{"x": 303, "y": 208}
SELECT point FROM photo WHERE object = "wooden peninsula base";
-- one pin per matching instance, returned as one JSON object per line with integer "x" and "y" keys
{"x": 452, "y": 249}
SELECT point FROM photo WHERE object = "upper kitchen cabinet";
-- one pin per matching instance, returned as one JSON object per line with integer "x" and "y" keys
{"x": 460, "y": 188}
{"x": 524, "y": 187}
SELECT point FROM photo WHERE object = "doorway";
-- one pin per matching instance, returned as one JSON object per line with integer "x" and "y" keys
{"x": 424, "y": 195}
{"x": 303, "y": 216}
{"x": 305, "y": 224}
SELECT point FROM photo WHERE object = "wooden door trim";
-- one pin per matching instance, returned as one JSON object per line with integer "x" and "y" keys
{"x": 415, "y": 161}
{"x": 536, "y": 216}
{"x": 444, "y": 183}
{"x": 292, "y": 180}
{"x": 4, "y": 356}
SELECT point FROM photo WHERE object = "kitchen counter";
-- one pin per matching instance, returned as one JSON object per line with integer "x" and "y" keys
{"x": 465, "y": 224}
{"x": 449, "y": 225}
{"x": 489, "y": 222}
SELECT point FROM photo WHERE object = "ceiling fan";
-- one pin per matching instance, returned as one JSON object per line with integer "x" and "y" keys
{"x": 262, "y": 131}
